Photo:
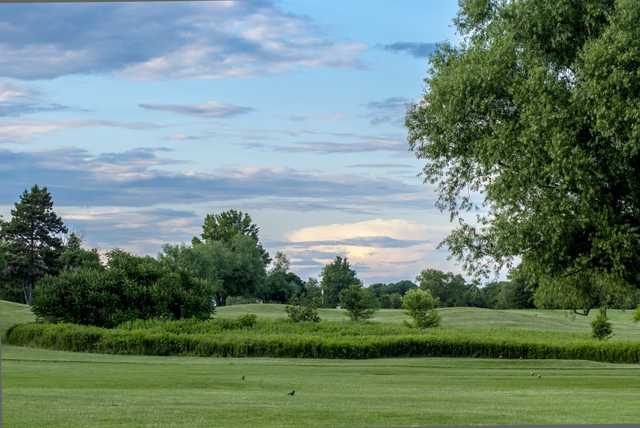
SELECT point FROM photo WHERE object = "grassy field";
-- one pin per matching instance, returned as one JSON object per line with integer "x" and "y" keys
{"x": 557, "y": 322}
{"x": 63, "y": 389}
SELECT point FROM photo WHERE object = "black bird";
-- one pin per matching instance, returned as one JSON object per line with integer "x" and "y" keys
{"x": 292, "y": 393}
{"x": 242, "y": 377}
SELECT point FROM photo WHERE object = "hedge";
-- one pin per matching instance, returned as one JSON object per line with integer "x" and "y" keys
{"x": 72, "y": 337}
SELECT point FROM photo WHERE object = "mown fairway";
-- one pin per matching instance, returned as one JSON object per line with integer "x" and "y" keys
{"x": 63, "y": 389}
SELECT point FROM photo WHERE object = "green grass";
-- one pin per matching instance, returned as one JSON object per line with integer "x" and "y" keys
{"x": 64, "y": 389}
{"x": 61, "y": 389}
{"x": 534, "y": 321}
{"x": 13, "y": 313}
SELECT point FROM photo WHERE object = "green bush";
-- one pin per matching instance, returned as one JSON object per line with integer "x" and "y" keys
{"x": 420, "y": 305}
{"x": 130, "y": 288}
{"x": 601, "y": 327}
{"x": 636, "y": 314}
{"x": 248, "y": 343}
{"x": 248, "y": 320}
{"x": 300, "y": 313}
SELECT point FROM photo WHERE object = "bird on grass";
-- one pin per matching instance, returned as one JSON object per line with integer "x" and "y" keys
{"x": 242, "y": 377}
{"x": 292, "y": 393}
{"x": 539, "y": 376}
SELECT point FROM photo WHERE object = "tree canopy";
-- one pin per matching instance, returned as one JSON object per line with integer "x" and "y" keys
{"x": 534, "y": 121}
{"x": 335, "y": 277}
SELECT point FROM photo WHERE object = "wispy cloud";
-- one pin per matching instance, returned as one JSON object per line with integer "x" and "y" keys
{"x": 17, "y": 100}
{"x": 26, "y": 130}
{"x": 390, "y": 110}
{"x": 158, "y": 41}
{"x": 136, "y": 178}
{"x": 330, "y": 147}
{"x": 418, "y": 50}
{"x": 208, "y": 110}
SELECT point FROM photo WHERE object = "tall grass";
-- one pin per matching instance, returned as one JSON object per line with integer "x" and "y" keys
{"x": 273, "y": 338}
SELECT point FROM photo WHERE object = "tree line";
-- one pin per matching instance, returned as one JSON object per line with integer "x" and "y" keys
{"x": 44, "y": 265}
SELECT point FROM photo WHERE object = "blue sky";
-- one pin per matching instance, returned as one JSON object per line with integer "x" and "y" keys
{"x": 141, "y": 118}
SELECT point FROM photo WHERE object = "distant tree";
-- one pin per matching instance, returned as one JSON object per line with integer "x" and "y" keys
{"x": 390, "y": 295}
{"x": 515, "y": 294}
{"x": 33, "y": 236}
{"x": 359, "y": 302}
{"x": 280, "y": 287}
{"x": 224, "y": 227}
{"x": 449, "y": 289}
{"x": 335, "y": 277}
{"x": 280, "y": 263}
{"x": 391, "y": 301}
{"x": 234, "y": 268}
{"x": 312, "y": 291}
{"x": 490, "y": 293}
{"x": 535, "y": 116}
{"x": 420, "y": 306}
{"x": 73, "y": 256}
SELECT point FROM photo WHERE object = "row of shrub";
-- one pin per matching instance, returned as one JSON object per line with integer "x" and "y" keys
{"x": 71, "y": 337}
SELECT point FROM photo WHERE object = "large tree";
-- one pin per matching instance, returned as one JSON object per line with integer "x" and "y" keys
{"x": 34, "y": 239}
{"x": 335, "y": 277}
{"x": 534, "y": 118}
{"x": 227, "y": 225}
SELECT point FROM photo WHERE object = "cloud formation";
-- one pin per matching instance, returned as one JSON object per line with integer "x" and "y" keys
{"x": 380, "y": 249}
{"x": 136, "y": 178}
{"x": 24, "y": 130}
{"x": 418, "y": 50}
{"x": 17, "y": 100}
{"x": 163, "y": 40}
{"x": 208, "y": 110}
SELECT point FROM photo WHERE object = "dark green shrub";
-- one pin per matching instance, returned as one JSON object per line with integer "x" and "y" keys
{"x": 420, "y": 306}
{"x": 130, "y": 288}
{"x": 248, "y": 320}
{"x": 601, "y": 327}
{"x": 359, "y": 302}
{"x": 636, "y": 314}
{"x": 298, "y": 313}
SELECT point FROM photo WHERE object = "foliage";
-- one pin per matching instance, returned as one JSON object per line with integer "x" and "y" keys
{"x": 335, "y": 277}
{"x": 420, "y": 306}
{"x": 601, "y": 326}
{"x": 248, "y": 320}
{"x": 235, "y": 268}
{"x": 73, "y": 256}
{"x": 449, "y": 289}
{"x": 312, "y": 293}
{"x": 359, "y": 302}
{"x": 636, "y": 314}
{"x": 228, "y": 225}
{"x": 535, "y": 116}
{"x": 32, "y": 236}
{"x": 298, "y": 312}
{"x": 129, "y": 288}
{"x": 280, "y": 285}
{"x": 390, "y": 295}
{"x": 250, "y": 343}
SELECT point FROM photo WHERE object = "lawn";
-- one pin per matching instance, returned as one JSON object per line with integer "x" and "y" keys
{"x": 63, "y": 389}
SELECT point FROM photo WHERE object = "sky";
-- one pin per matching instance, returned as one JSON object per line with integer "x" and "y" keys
{"x": 142, "y": 118}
